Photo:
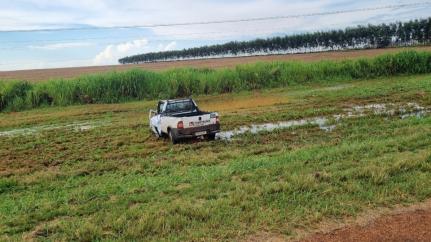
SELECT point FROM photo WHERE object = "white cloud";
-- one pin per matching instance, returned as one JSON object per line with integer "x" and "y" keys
{"x": 112, "y": 53}
{"x": 170, "y": 46}
{"x": 131, "y": 45}
{"x": 60, "y": 46}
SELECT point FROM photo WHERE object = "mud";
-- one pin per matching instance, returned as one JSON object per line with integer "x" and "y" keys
{"x": 77, "y": 127}
{"x": 328, "y": 124}
{"x": 322, "y": 122}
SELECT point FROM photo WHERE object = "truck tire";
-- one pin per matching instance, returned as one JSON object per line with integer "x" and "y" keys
{"x": 173, "y": 137}
{"x": 211, "y": 136}
{"x": 156, "y": 134}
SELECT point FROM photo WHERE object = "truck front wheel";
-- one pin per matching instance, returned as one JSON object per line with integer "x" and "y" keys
{"x": 156, "y": 132}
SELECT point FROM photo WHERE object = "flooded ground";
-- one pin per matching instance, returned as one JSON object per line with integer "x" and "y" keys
{"x": 322, "y": 122}
{"x": 327, "y": 124}
{"x": 330, "y": 123}
{"x": 76, "y": 126}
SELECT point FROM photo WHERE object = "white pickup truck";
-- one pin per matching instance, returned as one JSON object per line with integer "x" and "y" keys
{"x": 181, "y": 118}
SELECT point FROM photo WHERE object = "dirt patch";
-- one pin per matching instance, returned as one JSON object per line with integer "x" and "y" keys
{"x": 42, "y": 230}
{"x": 45, "y": 74}
{"x": 410, "y": 223}
{"x": 402, "y": 224}
{"x": 267, "y": 237}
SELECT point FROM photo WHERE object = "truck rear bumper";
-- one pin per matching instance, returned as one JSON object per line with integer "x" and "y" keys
{"x": 196, "y": 131}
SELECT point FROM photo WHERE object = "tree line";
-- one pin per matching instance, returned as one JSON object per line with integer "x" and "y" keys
{"x": 409, "y": 33}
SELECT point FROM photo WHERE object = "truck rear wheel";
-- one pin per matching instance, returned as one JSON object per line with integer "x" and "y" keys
{"x": 173, "y": 137}
{"x": 211, "y": 136}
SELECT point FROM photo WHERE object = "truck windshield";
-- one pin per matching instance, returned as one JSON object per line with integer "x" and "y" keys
{"x": 180, "y": 106}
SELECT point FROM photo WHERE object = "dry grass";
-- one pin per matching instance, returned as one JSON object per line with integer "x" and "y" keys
{"x": 229, "y": 103}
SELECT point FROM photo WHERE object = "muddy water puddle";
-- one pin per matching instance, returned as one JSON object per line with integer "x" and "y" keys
{"x": 327, "y": 124}
{"x": 330, "y": 123}
{"x": 77, "y": 127}
{"x": 322, "y": 122}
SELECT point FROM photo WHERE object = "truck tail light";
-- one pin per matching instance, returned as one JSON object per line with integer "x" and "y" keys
{"x": 215, "y": 115}
{"x": 180, "y": 125}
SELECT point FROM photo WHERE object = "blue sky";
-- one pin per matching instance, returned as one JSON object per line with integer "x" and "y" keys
{"x": 46, "y": 49}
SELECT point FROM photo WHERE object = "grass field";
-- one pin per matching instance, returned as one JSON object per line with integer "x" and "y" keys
{"x": 67, "y": 73}
{"x": 94, "y": 172}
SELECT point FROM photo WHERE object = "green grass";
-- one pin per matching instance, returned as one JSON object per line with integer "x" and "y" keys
{"x": 117, "y": 87}
{"x": 117, "y": 182}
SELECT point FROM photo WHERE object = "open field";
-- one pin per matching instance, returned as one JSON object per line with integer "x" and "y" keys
{"x": 44, "y": 74}
{"x": 94, "y": 172}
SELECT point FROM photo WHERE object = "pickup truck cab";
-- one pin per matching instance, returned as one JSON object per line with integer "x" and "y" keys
{"x": 181, "y": 118}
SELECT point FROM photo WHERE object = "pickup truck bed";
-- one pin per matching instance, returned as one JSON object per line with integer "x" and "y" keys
{"x": 187, "y": 114}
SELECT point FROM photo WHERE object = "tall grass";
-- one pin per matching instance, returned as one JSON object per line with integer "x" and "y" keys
{"x": 138, "y": 84}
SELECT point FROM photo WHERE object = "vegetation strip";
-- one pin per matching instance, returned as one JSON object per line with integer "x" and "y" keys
{"x": 139, "y": 84}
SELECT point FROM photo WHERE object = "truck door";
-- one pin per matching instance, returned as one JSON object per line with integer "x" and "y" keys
{"x": 156, "y": 121}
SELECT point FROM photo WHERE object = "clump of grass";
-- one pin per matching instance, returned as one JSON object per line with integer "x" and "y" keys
{"x": 7, "y": 185}
{"x": 138, "y": 84}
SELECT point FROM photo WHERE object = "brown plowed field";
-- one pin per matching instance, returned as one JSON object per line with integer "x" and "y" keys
{"x": 44, "y": 74}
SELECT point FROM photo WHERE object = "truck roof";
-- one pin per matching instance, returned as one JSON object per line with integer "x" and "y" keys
{"x": 176, "y": 100}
